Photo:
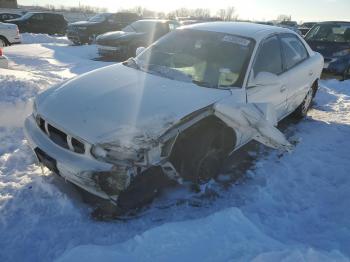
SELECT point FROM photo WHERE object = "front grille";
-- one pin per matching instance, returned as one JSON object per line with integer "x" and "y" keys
{"x": 59, "y": 137}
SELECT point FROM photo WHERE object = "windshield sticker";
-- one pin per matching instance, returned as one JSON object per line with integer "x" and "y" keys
{"x": 236, "y": 40}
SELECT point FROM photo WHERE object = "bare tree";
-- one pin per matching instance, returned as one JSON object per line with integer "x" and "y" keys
{"x": 227, "y": 14}
{"x": 282, "y": 18}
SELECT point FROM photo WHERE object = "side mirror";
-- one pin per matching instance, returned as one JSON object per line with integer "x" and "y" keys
{"x": 139, "y": 50}
{"x": 265, "y": 79}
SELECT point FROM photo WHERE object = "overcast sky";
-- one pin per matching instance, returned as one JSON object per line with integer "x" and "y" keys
{"x": 300, "y": 10}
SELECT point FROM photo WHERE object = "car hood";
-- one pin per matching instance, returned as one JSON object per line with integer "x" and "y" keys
{"x": 120, "y": 104}
{"x": 83, "y": 23}
{"x": 327, "y": 49}
{"x": 117, "y": 36}
{"x": 15, "y": 19}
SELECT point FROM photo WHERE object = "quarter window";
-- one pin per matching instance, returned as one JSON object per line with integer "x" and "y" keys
{"x": 294, "y": 51}
{"x": 269, "y": 58}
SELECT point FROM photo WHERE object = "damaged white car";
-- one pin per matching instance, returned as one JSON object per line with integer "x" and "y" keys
{"x": 176, "y": 111}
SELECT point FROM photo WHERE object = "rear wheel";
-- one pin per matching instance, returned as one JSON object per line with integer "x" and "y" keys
{"x": 304, "y": 107}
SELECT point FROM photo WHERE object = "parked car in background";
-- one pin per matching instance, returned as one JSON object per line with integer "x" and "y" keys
{"x": 123, "y": 44}
{"x": 8, "y": 16}
{"x": 332, "y": 40}
{"x": 3, "y": 60}
{"x": 41, "y": 22}
{"x": 264, "y": 23}
{"x": 83, "y": 32}
{"x": 290, "y": 25}
{"x": 9, "y": 34}
{"x": 305, "y": 27}
{"x": 176, "y": 111}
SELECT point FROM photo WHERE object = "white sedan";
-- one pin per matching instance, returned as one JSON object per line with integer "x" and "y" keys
{"x": 176, "y": 111}
{"x": 9, "y": 34}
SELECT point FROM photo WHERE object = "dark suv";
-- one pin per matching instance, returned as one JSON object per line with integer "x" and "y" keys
{"x": 332, "y": 40}
{"x": 41, "y": 22}
{"x": 85, "y": 31}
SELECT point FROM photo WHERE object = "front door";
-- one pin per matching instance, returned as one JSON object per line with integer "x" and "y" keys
{"x": 269, "y": 60}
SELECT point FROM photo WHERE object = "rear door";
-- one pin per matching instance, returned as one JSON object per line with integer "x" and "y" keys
{"x": 36, "y": 24}
{"x": 269, "y": 59}
{"x": 298, "y": 70}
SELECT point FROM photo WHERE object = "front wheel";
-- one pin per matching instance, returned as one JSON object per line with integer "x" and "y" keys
{"x": 199, "y": 155}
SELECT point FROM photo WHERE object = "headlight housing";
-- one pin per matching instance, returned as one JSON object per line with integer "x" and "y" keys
{"x": 115, "y": 154}
{"x": 342, "y": 53}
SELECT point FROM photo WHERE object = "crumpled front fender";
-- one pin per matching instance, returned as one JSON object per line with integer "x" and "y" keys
{"x": 259, "y": 119}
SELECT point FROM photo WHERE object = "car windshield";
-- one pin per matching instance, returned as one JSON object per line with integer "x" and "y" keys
{"x": 208, "y": 59}
{"x": 330, "y": 33}
{"x": 98, "y": 18}
{"x": 141, "y": 26}
{"x": 26, "y": 16}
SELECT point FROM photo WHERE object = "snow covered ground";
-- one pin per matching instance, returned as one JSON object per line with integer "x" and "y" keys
{"x": 290, "y": 207}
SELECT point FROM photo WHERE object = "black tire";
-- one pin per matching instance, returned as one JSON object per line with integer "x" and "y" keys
{"x": 3, "y": 42}
{"x": 199, "y": 157}
{"x": 304, "y": 107}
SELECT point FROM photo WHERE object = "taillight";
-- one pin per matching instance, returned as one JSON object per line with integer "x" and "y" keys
{"x": 1, "y": 52}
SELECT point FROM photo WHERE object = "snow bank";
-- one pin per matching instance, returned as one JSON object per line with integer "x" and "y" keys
{"x": 30, "y": 38}
{"x": 224, "y": 236}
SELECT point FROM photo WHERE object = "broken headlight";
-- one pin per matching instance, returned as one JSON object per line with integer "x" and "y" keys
{"x": 116, "y": 154}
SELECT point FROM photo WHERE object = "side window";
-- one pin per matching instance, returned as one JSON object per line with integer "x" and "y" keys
{"x": 37, "y": 17}
{"x": 294, "y": 51}
{"x": 269, "y": 57}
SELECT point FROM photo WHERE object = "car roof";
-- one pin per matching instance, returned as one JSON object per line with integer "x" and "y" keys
{"x": 334, "y": 22}
{"x": 154, "y": 20}
{"x": 37, "y": 12}
{"x": 244, "y": 29}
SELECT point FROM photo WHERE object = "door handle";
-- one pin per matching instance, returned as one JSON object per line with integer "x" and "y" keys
{"x": 283, "y": 89}
{"x": 311, "y": 73}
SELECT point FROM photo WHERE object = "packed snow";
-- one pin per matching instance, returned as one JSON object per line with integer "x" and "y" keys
{"x": 285, "y": 207}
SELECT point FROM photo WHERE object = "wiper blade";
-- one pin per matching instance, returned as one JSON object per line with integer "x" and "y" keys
{"x": 169, "y": 72}
{"x": 204, "y": 84}
{"x": 132, "y": 62}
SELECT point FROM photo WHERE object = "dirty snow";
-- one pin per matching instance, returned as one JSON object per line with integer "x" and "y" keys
{"x": 290, "y": 207}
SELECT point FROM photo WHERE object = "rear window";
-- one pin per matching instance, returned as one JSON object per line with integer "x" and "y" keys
{"x": 330, "y": 33}
{"x": 294, "y": 51}
{"x": 269, "y": 57}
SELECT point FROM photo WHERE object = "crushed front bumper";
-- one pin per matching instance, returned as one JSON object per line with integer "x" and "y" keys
{"x": 99, "y": 178}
